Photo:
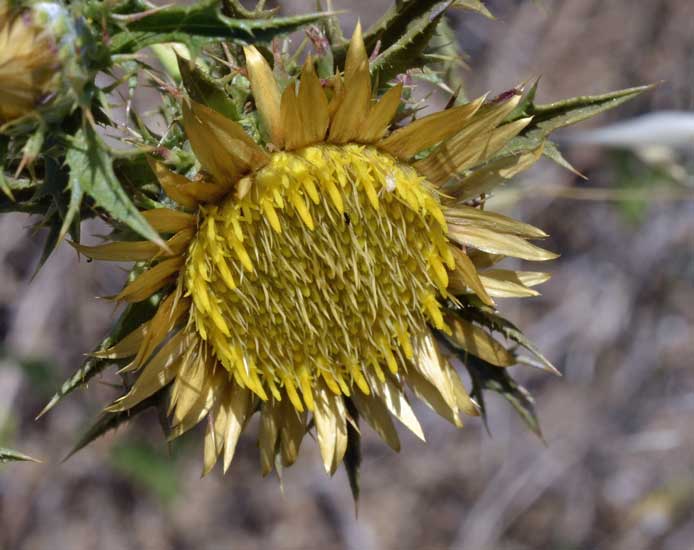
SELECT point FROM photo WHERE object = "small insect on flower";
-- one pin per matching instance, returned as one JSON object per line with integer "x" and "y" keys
{"x": 28, "y": 62}
{"x": 307, "y": 278}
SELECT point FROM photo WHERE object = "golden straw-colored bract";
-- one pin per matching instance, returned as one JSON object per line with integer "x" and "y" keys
{"x": 307, "y": 276}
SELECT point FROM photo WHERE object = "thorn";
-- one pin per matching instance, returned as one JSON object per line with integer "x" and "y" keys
{"x": 54, "y": 400}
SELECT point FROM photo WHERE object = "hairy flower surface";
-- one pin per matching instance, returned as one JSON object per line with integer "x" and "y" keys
{"x": 307, "y": 276}
{"x": 28, "y": 63}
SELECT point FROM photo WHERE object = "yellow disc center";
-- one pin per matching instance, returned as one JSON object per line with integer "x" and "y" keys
{"x": 329, "y": 267}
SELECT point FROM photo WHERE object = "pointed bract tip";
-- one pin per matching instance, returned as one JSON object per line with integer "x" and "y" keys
{"x": 47, "y": 408}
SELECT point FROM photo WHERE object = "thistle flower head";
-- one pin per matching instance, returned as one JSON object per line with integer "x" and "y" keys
{"x": 28, "y": 62}
{"x": 347, "y": 250}
{"x": 309, "y": 276}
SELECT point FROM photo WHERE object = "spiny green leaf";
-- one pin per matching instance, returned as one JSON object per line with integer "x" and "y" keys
{"x": 176, "y": 23}
{"x": 131, "y": 318}
{"x": 405, "y": 53}
{"x": 62, "y": 213}
{"x": 392, "y": 26}
{"x": 488, "y": 377}
{"x": 352, "y": 460}
{"x": 551, "y": 117}
{"x": 4, "y": 184}
{"x": 488, "y": 317}
{"x": 56, "y": 183}
{"x": 91, "y": 171}
{"x": 203, "y": 89}
{"x": 551, "y": 151}
{"x": 557, "y": 115}
{"x": 81, "y": 377}
{"x": 52, "y": 240}
{"x": 10, "y": 455}
{"x": 32, "y": 146}
{"x": 526, "y": 103}
{"x": 18, "y": 194}
{"x": 107, "y": 422}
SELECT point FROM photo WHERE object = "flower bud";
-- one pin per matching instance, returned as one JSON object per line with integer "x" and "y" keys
{"x": 29, "y": 65}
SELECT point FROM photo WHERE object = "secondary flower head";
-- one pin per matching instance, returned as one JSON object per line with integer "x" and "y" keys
{"x": 309, "y": 276}
{"x": 28, "y": 62}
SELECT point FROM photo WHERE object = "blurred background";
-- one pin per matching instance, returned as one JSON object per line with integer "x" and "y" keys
{"x": 617, "y": 318}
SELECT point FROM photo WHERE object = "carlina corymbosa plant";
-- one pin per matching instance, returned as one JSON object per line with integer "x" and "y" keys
{"x": 315, "y": 250}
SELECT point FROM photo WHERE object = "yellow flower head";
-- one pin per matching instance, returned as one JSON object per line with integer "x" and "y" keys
{"x": 28, "y": 63}
{"x": 308, "y": 276}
